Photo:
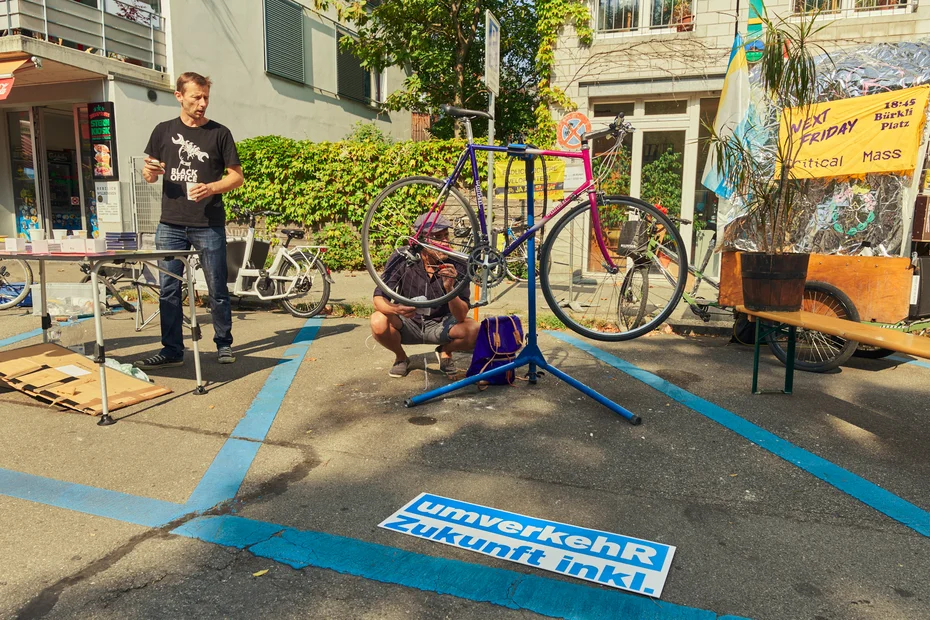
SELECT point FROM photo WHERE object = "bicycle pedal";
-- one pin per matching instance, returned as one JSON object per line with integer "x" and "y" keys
{"x": 478, "y": 304}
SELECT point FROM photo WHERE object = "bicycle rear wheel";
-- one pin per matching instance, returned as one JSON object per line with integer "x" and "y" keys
{"x": 516, "y": 261}
{"x": 409, "y": 259}
{"x": 15, "y": 280}
{"x": 815, "y": 351}
{"x": 589, "y": 296}
{"x": 634, "y": 295}
{"x": 310, "y": 291}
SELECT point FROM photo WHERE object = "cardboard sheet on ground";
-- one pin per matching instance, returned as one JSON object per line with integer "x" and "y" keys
{"x": 605, "y": 558}
{"x": 59, "y": 376}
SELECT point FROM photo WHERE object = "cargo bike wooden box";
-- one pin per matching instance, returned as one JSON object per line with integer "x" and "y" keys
{"x": 885, "y": 291}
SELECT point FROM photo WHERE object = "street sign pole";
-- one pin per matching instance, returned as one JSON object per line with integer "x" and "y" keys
{"x": 492, "y": 69}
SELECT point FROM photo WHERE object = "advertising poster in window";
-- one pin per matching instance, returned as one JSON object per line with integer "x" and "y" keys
{"x": 103, "y": 140}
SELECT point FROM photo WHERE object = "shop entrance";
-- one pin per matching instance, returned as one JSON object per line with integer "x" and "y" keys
{"x": 51, "y": 169}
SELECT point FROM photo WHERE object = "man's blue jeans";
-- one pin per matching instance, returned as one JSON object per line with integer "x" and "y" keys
{"x": 211, "y": 243}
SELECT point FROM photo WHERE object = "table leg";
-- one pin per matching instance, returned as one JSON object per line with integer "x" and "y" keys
{"x": 789, "y": 363}
{"x": 46, "y": 319}
{"x": 100, "y": 350}
{"x": 755, "y": 359}
{"x": 195, "y": 328}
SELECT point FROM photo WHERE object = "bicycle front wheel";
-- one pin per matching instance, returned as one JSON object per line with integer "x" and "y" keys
{"x": 404, "y": 262}
{"x": 15, "y": 280}
{"x": 305, "y": 284}
{"x": 614, "y": 303}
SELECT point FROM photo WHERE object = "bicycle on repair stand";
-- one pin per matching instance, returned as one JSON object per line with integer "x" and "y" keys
{"x": 581, "y": 268}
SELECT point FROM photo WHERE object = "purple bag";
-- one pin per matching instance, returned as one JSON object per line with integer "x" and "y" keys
{"x": 499, "y": 341}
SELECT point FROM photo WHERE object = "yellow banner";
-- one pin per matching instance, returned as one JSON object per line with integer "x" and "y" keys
{"x": 515, "y": 183}
{"x": 851, "y": 137}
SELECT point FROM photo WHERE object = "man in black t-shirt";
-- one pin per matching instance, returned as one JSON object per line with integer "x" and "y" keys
{"x": 448, "y": 326}
{"x": 193, "y": 154}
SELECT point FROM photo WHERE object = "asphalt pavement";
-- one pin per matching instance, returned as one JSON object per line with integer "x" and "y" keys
{"x": 263, "y": 497}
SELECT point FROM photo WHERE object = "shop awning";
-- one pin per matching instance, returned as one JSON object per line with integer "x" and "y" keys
{"x": 7, "y": 68}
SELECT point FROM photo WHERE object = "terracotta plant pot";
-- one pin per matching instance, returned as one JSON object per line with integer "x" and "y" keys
{"x": 773, "y": 282}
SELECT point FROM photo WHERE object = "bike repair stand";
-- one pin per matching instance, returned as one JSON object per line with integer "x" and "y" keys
{"x": 530, "y": 355}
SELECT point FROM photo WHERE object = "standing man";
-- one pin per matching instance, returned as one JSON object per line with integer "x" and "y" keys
{"x": 193, "y": 154}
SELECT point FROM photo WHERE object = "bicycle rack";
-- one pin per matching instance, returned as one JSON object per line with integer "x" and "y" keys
{"x": 530, "y": 355}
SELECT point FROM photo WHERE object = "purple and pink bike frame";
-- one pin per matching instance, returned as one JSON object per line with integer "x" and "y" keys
{"x": 514, "y": 150}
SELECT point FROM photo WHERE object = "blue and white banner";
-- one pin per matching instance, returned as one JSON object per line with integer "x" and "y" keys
{"x": 609, "y": 559}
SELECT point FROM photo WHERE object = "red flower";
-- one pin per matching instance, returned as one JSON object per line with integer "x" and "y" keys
{"x": 659, "y": 206}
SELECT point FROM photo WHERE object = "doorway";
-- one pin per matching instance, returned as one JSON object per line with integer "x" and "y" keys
{"x": 51, "y": 170}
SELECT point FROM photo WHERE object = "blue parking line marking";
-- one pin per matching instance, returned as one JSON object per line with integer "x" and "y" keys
{"x": 258, "y": 419}
{"x": 20, "y": 337}
{"x": 221, "y": 481}
{"x": 474, "y": 582}
{"x": 225, "y": 475}
{"x": 867, "y": 492}
{"x": 91, "y": 500}
{"x": 908, "y": 360}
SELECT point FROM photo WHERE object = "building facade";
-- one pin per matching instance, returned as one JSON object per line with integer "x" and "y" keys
{"x": 83, "y": 82}
{"x": 662, "y": 63}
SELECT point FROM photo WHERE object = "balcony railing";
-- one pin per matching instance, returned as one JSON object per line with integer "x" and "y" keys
{"x": 850, "y": 8}
{"x": 126, "y": 30}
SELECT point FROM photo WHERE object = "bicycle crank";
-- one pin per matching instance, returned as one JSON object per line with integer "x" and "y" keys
{"x": 486, "y": 260}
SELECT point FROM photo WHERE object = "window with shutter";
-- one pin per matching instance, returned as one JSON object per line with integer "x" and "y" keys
{"x": 354, "y": 82}
{"x": 284, "y": 39}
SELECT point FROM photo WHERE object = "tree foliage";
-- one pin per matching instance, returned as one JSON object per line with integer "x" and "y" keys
{"x": 440, "y": 43}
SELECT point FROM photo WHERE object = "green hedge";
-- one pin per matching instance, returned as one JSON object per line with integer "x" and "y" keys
{"x": 327, "y": 187}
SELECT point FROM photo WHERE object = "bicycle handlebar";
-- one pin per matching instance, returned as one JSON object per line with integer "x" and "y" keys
{"x": 616, "y": 128}
{"x": 249, "y": 212}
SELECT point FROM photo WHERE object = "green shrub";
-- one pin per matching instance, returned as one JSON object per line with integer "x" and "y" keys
{"x": 342, "y": 241}
{"x": 312, "y": 184}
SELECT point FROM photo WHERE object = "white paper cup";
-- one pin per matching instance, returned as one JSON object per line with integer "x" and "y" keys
{"x": 36, "y": 233}
{"x": 60, "y": 233}
{"x": 79, "y": 234}
{"x": 190, "y": 186}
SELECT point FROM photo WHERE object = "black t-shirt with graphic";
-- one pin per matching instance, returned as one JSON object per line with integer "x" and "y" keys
{"x": 192, "y": 155}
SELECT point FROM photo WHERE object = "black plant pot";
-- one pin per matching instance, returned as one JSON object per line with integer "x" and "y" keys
{"x": 773, "y": 282}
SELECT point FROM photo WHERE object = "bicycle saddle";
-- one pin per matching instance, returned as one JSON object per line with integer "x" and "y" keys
{"x": 448, "y": 110}
{"x": 293, "y": 233}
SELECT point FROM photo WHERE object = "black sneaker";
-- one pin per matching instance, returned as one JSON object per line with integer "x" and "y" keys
{"x": 400, "y": 369}
{"x": 157, "y": 361}
{"x": 224, "y": 355}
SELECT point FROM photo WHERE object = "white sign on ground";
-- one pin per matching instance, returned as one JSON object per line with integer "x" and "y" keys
{"x": 492, "y": 53}
{"x": 609, "y": 559}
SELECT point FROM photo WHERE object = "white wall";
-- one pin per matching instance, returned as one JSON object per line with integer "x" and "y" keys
{"x": 225, "y": 40}
{"x": 136, "y": 117}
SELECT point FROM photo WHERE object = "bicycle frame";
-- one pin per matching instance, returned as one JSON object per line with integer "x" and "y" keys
{"x": 468, "y": 156}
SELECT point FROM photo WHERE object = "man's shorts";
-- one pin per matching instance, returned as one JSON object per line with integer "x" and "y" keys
{"x": 431, "y": 331}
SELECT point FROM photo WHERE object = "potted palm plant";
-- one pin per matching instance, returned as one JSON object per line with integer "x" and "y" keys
{"x": 758, "y": 164}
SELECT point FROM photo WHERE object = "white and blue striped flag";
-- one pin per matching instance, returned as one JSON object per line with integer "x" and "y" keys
{"x": 732, "y": 115}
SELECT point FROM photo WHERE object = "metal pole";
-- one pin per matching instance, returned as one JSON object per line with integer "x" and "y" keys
{"x": 44, "y": 17}
{"x": 490, "y": 211}
{"x": 100, "y": 350}
{"x": 103, "y": 27}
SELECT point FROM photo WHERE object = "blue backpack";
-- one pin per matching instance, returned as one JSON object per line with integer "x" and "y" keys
{"x": 499, "y": 341}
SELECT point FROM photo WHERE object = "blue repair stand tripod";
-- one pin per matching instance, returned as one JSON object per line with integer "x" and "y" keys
{"x": 530, "y": 355}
